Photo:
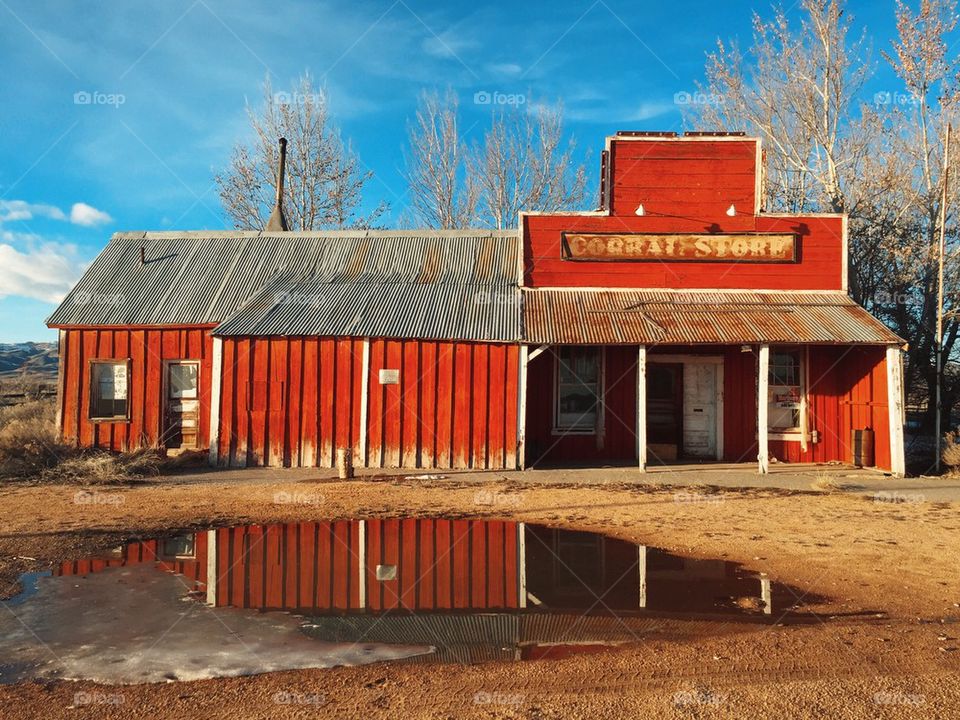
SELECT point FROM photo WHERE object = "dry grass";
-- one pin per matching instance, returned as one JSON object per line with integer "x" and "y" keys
{"x": 31, "y": 452}
{"x": 951, "y": 451}
{"x": 827, "y": 482}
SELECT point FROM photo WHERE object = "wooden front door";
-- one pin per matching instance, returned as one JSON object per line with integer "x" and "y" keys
{"x": 182, "y": 416}
{"x": 700, "y": 411}
{"x": 664, "y": 411}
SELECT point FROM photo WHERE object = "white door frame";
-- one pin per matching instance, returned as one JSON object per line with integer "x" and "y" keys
{"x": 685, "y": 359}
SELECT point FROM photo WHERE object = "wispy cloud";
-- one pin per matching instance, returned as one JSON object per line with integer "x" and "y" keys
{"x": 448, "y": 45}
{"x": 506, "y": 69}
{"x": 13, "y": 210}
{"x": 42, "y": 270}
{"x": 80, "y": 214}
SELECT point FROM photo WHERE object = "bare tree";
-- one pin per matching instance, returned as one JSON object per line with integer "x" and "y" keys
{"x": 881, "y": 162}
{"x": 521, "y": 163}
{"x": 907, "y": 193}
{"x": 797, "y": 89}
{"x": 442, "y": 193}
{"x": 325, "y": 179}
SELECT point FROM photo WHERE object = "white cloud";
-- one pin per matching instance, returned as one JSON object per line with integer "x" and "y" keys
{"x": 87, "y": 215}
{"x": 448, "y": 45}
{"x": 11, "y": 210}
{"x": 43, "y": 272}
{"x": 505, "y": 68}
{"x": 80, "y": 213}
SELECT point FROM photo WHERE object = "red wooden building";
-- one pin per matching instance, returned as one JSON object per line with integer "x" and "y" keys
{"x": 678, "y": 322}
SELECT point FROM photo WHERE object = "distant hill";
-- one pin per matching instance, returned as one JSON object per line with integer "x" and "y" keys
{"x": 35, "y": 361}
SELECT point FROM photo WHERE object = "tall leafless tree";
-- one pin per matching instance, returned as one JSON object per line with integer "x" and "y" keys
{"x": 797, "y": 88}
{"x": 325, "y": 178}
{"x": 521, "y": 163}
{"x": 442, "y": 192}
{"x": 907, "y": 193}
{"x": 879, "y": 161}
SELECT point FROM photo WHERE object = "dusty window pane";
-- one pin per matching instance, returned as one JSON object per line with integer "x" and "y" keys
{"x": 108, "y": 390}
{"x": 784, "y": 377}
{"x": 183, "y": 380}
{"x": 578, "y": 388}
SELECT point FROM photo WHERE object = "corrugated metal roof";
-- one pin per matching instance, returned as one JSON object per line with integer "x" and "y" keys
{"x": 378, "y": 283}
{"x": 657, "y": 317}
{"x": 479, "y": 637}
{"x": 313, "y": 306}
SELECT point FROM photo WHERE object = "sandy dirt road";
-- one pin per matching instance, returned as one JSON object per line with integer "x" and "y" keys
{"x": 880, "y": 581}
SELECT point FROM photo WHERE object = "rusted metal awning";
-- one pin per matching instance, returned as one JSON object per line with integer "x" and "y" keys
{"x": 680, "y": 317}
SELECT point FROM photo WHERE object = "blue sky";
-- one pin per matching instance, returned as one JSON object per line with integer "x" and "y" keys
{"x": 116, "y": 115}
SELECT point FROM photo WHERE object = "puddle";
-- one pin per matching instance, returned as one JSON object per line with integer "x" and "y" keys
{"x": 250, "y": 599}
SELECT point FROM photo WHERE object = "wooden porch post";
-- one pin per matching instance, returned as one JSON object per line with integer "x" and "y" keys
{"x": 215, "y": 373}
{"x": 642, "y": 408}
{"x": 522, "y": 408}
{"x": 364, "y": 402}
{"x": 763, "y": 383}
{"x": 212, "y": 578}
{"x": 898, "y": 465}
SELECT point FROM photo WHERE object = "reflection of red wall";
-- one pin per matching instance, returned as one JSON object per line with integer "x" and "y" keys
{"x": 441, "y": 564}
{"x": 138, "y": 553}
{"x": 296, "y": 565}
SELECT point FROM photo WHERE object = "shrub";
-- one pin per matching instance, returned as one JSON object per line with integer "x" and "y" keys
{"x": 951, "y": 450}
{"x": 31, "y": 451}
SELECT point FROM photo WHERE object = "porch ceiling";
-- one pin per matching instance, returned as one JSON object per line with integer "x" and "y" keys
{"x": 682, "y": 317}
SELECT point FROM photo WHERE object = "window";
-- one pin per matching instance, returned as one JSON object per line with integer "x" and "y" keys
{"x": 179, "y": 546}
{"x": 183, "y": 380}
{"x": 108, "y": 389}
{"x": 786, "y": 388}
{"x": 578, "y": 389}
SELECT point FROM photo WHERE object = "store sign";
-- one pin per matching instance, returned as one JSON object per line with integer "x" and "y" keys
{"x": 744, "y": 247}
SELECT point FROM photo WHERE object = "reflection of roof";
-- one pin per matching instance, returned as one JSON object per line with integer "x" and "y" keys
{"x": 444, "y": 284}
{"x": 478, "y": 637}
{"x": 632, "y": 317}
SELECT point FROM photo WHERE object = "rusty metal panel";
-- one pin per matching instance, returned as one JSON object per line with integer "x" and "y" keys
{"x": 697, "y": 317}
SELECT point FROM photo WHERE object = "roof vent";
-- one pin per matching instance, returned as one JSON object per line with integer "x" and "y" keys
{"x": 277, "y": 221}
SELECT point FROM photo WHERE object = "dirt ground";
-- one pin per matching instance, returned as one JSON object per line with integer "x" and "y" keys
{"x": 878, "y": 581}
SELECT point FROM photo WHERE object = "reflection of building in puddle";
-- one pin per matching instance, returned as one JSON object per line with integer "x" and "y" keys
{"x": 358, "y": 591}
{"x": 427, "y": 565}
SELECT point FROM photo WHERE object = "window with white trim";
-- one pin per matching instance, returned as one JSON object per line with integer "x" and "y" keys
{"x": 108, "y": 389}
{"x": 578, "y": 383}
{"x": 785, "y": 389}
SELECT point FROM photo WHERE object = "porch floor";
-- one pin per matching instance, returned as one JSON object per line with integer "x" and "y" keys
{"x": 782, "y": 476}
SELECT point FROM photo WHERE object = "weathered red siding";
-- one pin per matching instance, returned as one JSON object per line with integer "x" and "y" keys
{"x": 146, "y": 349}
{"x": 619, "y": 442}
{"x": 685, "y": 186}
{"x": 848, "y": 390}
{"x": 692, "y": 178}
{"x": 294, "y": 401}
{"x": 819, "y": 266}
